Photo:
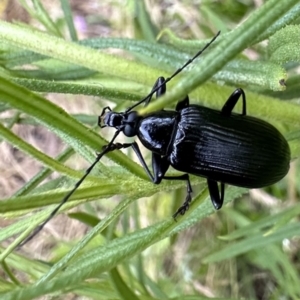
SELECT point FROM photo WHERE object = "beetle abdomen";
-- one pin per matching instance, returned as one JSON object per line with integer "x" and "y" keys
{"x": 238, "y": 150}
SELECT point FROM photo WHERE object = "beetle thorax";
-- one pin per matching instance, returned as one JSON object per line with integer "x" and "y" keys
{"x": 155, "y": 131}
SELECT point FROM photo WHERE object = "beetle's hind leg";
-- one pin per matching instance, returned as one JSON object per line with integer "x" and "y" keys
{"x": 216, "y": 197}
{"x": 186, "y": 204}
{"x": 232, "y": 101}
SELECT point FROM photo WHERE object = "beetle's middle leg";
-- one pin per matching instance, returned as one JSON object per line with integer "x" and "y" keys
{"x": 186, "y": 204}
{"x": 232, "y": 101}
{"x": 160, "y": 165}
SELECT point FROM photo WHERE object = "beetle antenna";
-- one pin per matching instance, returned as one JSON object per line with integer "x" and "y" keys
{"x": 107, "y": 149}
{"x": 175, "y": 73}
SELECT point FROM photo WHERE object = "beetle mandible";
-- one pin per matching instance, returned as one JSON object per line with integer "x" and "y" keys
{"x": 222, "y": 146}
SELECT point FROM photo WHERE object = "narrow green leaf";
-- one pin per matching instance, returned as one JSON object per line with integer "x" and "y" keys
{"x": 71, "y": 131}
{"x": 289, "y": 17}
{"x": 226, "y": 50}
{"x": 144, "y": 28}
{"x": 254, "y": 242}
{"x": 73, "y": 53}
{"x": 260, "y": 73}
{"x": 263, "y": 224}
{"x": 69, "y": 19}
{"x": 44, "y": 17}
{"x": 123, "y": 290}
{"x": 283, "y": 46}
{"x": 38, "y": 178}
{"x": 10, "y": 137}
{"x": 90, "y": 88}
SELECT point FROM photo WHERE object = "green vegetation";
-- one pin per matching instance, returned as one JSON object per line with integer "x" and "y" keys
{"x": 248, "y": 250}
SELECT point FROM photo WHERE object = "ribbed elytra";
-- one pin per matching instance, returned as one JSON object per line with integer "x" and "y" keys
{"x": 237, "y": 150}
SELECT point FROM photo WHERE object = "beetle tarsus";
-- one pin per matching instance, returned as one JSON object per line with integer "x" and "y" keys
{"x": 184, "y": 207}
{"x": 186, "y": 204}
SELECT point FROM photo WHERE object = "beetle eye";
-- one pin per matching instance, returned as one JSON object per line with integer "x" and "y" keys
{"x": 132, "y": 117}
{"x": 129, "y": 130}
{"x": 131, "y": 124}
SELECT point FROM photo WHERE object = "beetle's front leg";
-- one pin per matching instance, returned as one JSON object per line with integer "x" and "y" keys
{"x": 160, "y": 82}
{"x": 156, "y": 178}
{"x": 160, "y": 165}
{"x": 139, "y": 155}
{"x": 232, "y": 101}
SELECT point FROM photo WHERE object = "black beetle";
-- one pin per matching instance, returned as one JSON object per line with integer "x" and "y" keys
{"x": 221, "y": 146}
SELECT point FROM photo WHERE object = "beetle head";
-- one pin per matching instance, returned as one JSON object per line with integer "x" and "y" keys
{"x": 125, "y": 122}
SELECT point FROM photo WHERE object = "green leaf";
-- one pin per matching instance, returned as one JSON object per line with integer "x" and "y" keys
{"x": 69, "y": 18}
{"x": 82, "y": 268}
{"x": 254, "y": 242}
{"x": 283, "y": 46}
{"x": 144, "y": 28}
{"x": 66, "y": 127}
{"x": 226, "y": 50}
{"x": 263, "y": 74}
{"x": 123, "y": 290}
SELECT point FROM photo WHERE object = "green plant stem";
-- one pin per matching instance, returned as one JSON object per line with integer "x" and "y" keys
{"x": 226, "y": 50}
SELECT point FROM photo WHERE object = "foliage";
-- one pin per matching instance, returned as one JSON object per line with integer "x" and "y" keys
{"x": 109, "y": 262}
